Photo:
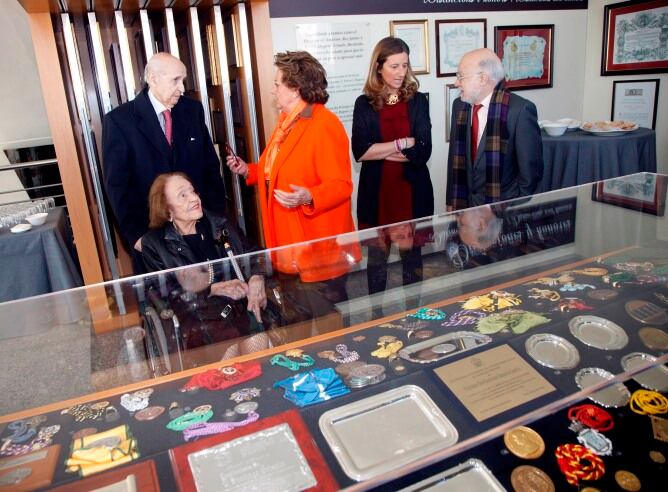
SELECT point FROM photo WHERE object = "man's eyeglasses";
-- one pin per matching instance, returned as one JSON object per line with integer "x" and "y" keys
{"x": 461, "y": 77}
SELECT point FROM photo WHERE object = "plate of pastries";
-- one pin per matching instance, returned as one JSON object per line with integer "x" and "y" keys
{"x": 609, "y": 127}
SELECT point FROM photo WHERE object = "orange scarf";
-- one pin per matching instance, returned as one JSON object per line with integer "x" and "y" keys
{"x": 283, "y": 127}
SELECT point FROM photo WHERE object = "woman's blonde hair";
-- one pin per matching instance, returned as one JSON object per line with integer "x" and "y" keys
{"x": 375, "y": 88}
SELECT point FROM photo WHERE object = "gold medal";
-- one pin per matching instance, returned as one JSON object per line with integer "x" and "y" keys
{"x": 657, "y": 457}
{"x": 326, "y": 354}
{"x": 524, "y": 442}
{"x": 527, "y": 478}
{"x": 627, "y": 480}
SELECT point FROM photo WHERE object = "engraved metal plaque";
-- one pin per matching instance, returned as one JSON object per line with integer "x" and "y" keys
{"x": 268, "y": 460}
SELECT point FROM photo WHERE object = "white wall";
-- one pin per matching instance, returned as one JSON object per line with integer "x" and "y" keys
{"x": 22, "y": 111}
{"x": 564, "y": 99}
{"x": 598, "y": 89}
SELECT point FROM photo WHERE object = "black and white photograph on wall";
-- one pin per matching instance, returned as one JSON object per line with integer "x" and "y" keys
{"x": 416, "y": 35}
{"x": 454, "y": 38}
{"x": 635, "y": 100}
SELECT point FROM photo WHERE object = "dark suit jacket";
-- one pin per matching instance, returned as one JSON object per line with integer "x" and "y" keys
{"x": 522, "y": 168}
{"x": 366, "y": 132}
{"x": 135, "y": 151}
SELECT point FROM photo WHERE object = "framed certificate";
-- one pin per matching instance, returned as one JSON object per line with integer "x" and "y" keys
{"x": 643, "y": 192}
{"x": 416, "y": 35}
{"x": 634, "y": 38}
{"x": 451, "y": 93}
{"x": 635, "y": 100}
{"x": 454, "y": 38}
{"x": 284, "y": 457}
{"x": 527, "y": 54}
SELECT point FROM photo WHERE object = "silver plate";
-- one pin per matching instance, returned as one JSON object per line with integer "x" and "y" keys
{"x": 471, "y": 475}
{"x": 598, "y": 332}
{"x": 654, "y": 378}
{"x": 380, "y": 433}
{"x": 552, "y": 351}
{"x": 267, "y": 460}
{"x": 615, "y": 395}
{"x": 434, "y": 349}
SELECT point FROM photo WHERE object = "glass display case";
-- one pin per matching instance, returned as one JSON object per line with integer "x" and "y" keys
{"x": 515, "y": 346}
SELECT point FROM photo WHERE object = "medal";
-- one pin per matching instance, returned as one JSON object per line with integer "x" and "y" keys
{"x": 524, "y": 443}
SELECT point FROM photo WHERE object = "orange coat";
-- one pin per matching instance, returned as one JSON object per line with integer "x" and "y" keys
{"x": 315, "y": 155}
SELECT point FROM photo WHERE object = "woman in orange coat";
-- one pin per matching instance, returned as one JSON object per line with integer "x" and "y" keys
{"x": 304, "y": 178}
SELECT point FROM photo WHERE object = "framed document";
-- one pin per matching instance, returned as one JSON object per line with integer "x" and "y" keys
{"x": 526, "y": 53}
{"x": 416, "y": 35}
{"x": 642, "y": 192}
{"x": 454, "y": 38}
{"x": 451, "y": 93}
{"x": 274, "y": 453}
{"x": 635, "y": 100}
{"x": 634, "y": 38}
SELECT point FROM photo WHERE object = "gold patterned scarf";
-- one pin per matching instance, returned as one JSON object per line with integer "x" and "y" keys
{"x": 283, "y": 127}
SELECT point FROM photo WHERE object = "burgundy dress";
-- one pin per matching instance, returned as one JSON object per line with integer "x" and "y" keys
{"x": 395, "y": 196}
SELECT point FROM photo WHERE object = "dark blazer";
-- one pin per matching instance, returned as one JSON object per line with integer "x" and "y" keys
{"x": 522, "y": 168}
{"x": 165, "y": 248}
{"x": 135, "y": 151}
{"x": 366, "y": 132}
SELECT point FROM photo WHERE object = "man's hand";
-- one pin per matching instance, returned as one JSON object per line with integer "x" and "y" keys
{"x": 138, "y": 245}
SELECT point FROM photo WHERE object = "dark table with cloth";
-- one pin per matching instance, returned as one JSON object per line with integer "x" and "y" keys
{"x": 579, "y": 157}
{"x": 38, "y": 261}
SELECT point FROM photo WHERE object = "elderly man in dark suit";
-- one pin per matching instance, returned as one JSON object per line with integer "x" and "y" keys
{"x": 495, "y": 144}
{"x": 157, "y": 132}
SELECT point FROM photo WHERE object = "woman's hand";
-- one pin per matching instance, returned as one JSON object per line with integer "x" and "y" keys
{"x": 299, "y": 196}
{"x": 193, "y": 279}
{"x": 257, "y": 297}
{"x": 234, "y": 289}
{"x": 237, "y": 165}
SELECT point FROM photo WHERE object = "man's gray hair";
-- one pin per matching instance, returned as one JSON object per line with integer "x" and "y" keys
{"x": 493, "y": 67}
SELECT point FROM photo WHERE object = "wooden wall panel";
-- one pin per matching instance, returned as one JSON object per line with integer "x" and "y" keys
{"x": 57, "y": 111}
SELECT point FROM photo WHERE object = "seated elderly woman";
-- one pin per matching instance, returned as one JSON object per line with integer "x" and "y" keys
{"x": 209, "y": 296}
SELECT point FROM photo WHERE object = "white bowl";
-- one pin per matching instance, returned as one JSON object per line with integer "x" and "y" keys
{"x": 555, "y": 129}
{"x": 37, "y": 219}
{"x": 18, "y": 228}
{"x": 543, "y": 122}
{"x": 570, "y": 122}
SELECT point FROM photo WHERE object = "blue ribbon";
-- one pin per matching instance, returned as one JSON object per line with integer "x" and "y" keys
{"x": 312, "y": 387}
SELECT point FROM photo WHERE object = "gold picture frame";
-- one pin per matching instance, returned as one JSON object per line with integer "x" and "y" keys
{"x": 415, "y": 33}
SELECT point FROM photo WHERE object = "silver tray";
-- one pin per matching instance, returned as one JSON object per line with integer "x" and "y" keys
{"x": 376, "y": 435}
{"x": 442, "y": 347}
{"x": 471, "y": 475}
{"x": 552, "y": 351}
{"x": 654, "y": 378}
{"x": 598, "y": 332}
{"x": 615, "y": 395}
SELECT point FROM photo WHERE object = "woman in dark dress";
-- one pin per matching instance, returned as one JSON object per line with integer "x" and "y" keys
{"x": 392, "y": 138}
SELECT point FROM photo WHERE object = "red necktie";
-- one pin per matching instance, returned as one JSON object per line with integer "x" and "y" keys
{"x": 474, "y": 132}
{"x": 168, "y": 125}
